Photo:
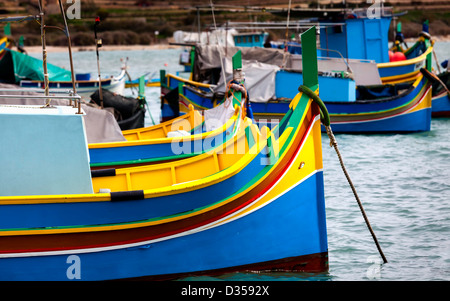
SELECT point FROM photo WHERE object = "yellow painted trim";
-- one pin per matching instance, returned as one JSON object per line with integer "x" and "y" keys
{"x": 187, "y": 100}
{"x": 187, "y": 81}
{"x": 193, "y": 117}
{"x": 201, "y": 136}
{"x": 295, "y": 100}
{"x": 393, "y": 109}
{"x": 415, "y": 60}
{"x": 410, "y": 77}
{"x": 424, "y": 104}
{"x": 399, "y": 78}
{"x": 310, "y": 160}
{"x": 268, "y": 114}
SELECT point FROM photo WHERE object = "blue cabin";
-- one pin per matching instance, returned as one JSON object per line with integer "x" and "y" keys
{"x": 253, "y": 39}
{"x": 357, "y": 38}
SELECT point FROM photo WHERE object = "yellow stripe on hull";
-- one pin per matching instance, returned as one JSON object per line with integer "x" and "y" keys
{"x": 407, "y": 76}
{"x": 417, "y": 81}
{"x": 186, "y": 122}
{"x": 202, "y": 136}
{"x": 307, "y": 161}
{"x": 187, "y": 81}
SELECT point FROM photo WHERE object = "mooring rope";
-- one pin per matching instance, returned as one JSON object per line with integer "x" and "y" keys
{"x": 333, "y": 143}
{"x": 287, "y": 35}
{"x": 218, "y": 44}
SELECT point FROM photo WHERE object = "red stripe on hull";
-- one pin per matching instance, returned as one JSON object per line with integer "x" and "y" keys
{"x": 441, "y": 114}
{"x": 313, "y": 263}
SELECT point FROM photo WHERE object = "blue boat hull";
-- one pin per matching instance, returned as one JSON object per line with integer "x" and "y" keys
{"x": 255, "y": 238}
{"x": 441, "y": 105}
{"x": 418, "y": 121}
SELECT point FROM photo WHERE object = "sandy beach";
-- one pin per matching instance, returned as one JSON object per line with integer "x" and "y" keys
{"x": 34, "y": 49}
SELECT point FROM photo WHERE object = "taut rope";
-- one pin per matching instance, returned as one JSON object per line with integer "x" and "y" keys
{"x": 326, "y": 121}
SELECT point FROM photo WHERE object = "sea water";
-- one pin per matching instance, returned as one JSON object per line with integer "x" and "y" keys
{"x": 402, "y": 180}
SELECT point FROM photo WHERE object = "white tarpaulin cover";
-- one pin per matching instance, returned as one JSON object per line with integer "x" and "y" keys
{"x": 218, "y": 116}
{"x": 220, "y": 36}
{"x": 261, "y": 64}
{"x": 259, "y": 79}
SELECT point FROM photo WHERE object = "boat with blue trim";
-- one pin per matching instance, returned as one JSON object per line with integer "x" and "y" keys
{"x": 270, "y": 218}
{"x": 356, "y": 98}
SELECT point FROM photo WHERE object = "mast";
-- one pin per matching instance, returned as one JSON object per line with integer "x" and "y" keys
{"x": 98, "y": 43}
{"x": 44, "y": 52}
{"x": 66, "y": 31}
{"x": 40, "y": 18}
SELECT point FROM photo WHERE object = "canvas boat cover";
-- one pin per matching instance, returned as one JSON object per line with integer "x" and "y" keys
{"x": 16, "y": 66}
{"x": 219, "y": 36}
{"x": 101, "y": 126}
{"x": 260, "y": 66}
{"x": 219, "y": 115}
{"x": 259, "y": 79}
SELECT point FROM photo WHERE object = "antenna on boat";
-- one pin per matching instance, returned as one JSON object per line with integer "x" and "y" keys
{"x": 218, "y": 44}
{"x": 69, "y": 43}
{"x": 40, "y": 19}
{"x": 287, "y": 34}
{"x": 44, "y": 52}
{"x": 310, "y": 84}
{"x": 98, "y": 44}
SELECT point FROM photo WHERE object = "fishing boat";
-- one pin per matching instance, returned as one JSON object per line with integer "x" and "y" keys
{"x": 356, "y": 98}
{"x": 85, "y": 87}
{"x": 362, "y": 33}
{"x": 5, "y": 44}
{"x": 26, "y": 71}
{"x": 405, "y": 108}
{"x": 261, "y": 208}
{"x": 151, "y": 82}
{"x": 440, "y": 90}
{"x": 406, "y": 63}
{"x": 441, "y": 95}
{"x": 369, "y": 40}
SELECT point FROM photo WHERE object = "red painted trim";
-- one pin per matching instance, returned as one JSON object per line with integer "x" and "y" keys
{"x": 314, "y": 263}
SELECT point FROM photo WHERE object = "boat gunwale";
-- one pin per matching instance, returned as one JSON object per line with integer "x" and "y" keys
{"x": 230, "y": 122}
{"x": 412, "y": 61}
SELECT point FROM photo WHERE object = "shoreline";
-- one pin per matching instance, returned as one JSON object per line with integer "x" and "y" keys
{"x": 34, "y": 49}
